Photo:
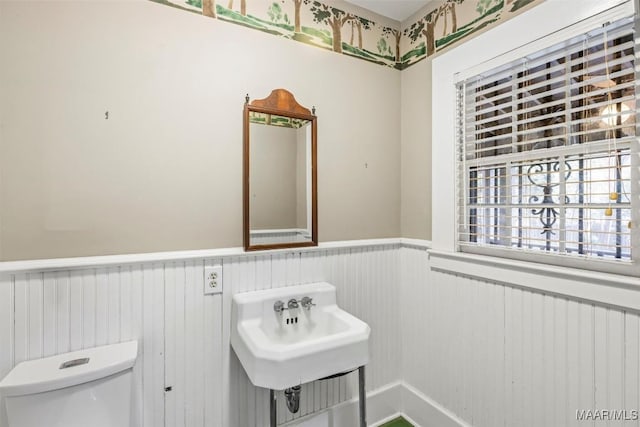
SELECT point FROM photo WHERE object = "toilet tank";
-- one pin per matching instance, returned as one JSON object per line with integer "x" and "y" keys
{"x": 91, "y": 387}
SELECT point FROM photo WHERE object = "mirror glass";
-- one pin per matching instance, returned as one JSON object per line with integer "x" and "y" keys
{"x": 279, "y": 179}
{"x": 279, "y": 173}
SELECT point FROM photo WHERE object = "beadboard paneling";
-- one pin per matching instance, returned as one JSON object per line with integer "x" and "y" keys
{"x": 365, "y": 280}
{"x": 184, "y": 334}
{"x": 490, "y": 354}
{"x": 500, "y": 355}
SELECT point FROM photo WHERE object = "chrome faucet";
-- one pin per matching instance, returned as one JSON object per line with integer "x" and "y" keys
{"x": 278, "y": 306}
{"x": 307, "y": 303}
{"x": 292, "y": 304}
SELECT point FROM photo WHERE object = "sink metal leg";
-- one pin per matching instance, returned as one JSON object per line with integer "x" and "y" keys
{"x": 362, "y": 399}
{"x": 272, "y": 408}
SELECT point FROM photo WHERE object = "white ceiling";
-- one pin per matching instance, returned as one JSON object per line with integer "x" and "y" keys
{"x": 394, "y": 9}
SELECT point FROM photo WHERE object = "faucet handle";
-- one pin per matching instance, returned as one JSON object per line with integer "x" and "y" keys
{"x": 307, "y": 302}
{"x": 278, "y": 306}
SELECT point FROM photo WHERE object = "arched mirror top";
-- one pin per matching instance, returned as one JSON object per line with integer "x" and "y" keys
{"x": 281, "y": 100}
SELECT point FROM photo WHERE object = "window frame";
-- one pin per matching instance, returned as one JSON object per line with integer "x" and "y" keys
{"x": 547, "y": 24}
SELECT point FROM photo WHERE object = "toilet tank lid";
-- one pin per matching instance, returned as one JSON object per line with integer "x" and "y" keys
{"x": 41, "y": 375}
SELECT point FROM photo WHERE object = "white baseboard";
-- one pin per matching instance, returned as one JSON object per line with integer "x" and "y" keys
{"x": 422, "y": 411}
{"x": 382, "y": 405}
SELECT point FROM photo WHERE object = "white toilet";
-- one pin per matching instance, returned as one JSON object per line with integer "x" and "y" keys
{"x": 90, "y": 387}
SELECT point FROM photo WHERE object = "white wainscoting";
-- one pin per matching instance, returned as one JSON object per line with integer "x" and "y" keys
{"x": 494, "y": 355}
{"x": 458, "y": 350}
{"x": 184, "y": 335}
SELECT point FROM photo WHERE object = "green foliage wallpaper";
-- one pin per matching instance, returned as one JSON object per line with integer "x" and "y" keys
{"x": 326, "y": 26}
{"x": 273, "y": 120}
{"x": 450, "y": 21}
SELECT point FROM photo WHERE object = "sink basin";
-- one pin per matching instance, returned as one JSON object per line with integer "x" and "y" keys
{"x": 283, "y": 349}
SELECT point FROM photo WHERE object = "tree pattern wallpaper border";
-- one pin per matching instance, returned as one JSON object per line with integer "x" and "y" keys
{"x": 326, "y": 26}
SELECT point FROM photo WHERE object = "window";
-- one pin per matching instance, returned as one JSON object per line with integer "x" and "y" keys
{"x": 547, "y": 151}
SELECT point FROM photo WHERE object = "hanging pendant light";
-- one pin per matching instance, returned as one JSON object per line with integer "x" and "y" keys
{"x": 609, "y": 113}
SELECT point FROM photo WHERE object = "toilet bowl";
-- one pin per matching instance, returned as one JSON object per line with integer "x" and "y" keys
{"x": 91, "y": 387}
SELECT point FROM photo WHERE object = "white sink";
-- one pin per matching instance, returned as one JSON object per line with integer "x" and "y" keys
{"x": 295, "y": 346}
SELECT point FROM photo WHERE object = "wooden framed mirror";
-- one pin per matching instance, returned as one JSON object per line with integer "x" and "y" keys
{"x": 280, "y": 186}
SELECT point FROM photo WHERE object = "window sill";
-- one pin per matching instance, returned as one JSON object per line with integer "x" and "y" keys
{"x": 602, "y": 288}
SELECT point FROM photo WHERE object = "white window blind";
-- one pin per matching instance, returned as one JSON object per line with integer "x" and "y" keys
{"x": 547, "y": 150}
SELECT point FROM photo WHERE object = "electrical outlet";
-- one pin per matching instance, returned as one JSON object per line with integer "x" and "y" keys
{"x": 212, "y": 279}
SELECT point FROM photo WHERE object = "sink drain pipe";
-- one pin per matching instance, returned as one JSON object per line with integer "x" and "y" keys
{"x": 292, "y": 396}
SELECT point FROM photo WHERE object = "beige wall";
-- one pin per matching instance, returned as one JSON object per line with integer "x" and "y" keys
{"x": 164, "y": 171}
{"x": 416, "y": 151}
{"x": 272, "y": 177}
